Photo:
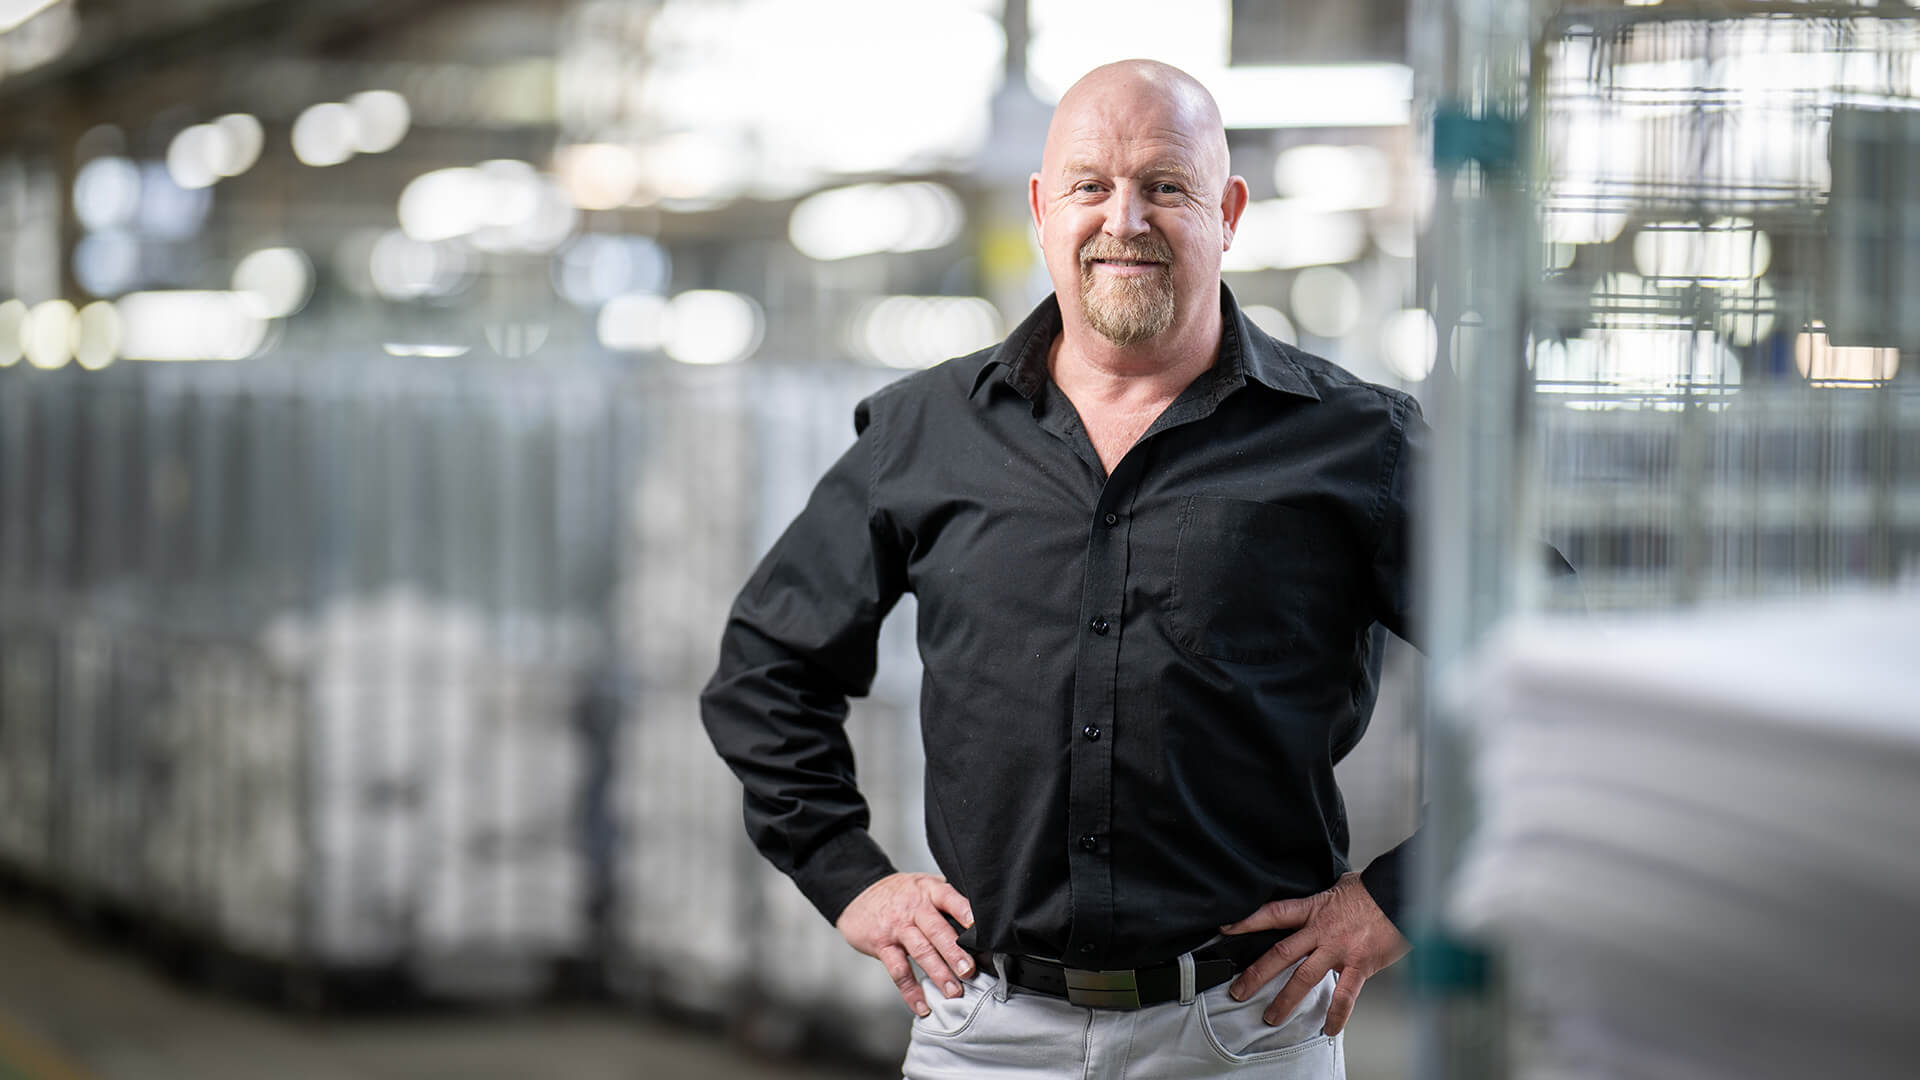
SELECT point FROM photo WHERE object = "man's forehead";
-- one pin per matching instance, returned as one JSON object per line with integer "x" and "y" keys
{"x": 1135, "y": 108}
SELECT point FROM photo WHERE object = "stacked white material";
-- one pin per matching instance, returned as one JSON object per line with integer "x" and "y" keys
{"x": 107, "y": 765}
{"x": 805, "y": 425}
{"x": 723, "y": 460}
{"x": 442, "y": 775}
{"x": 220, "y": 846}
{"x": 1701, "y": 837}
{"x": 682, "y": 862}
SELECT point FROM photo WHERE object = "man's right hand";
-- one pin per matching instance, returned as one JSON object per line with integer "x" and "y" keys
{"x": 898, "y": 917}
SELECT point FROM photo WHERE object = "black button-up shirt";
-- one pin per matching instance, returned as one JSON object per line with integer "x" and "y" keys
{"x": 1136, "y": 686}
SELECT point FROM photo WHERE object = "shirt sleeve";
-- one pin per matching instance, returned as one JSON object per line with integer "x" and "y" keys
{"x": 799, "y": 641}
{"x": 1387, "y": 881}
{"x": 1394, "y": 593}
{"x": 1388, "y": 878}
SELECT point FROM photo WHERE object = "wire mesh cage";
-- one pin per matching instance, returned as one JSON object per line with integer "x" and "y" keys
{"x": 1671, "y": 259}
{"x": 1718, "y": 327}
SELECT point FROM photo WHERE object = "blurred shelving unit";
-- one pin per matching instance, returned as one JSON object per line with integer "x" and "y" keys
{"x": 1671, "y": 269}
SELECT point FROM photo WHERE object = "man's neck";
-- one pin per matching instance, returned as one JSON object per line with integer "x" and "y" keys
{"x": 1093, "y": 371}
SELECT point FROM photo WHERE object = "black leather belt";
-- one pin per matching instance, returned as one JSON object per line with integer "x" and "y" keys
{"x": 1130, "y": 988}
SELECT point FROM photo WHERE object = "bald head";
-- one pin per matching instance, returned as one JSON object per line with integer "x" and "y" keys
{"x": 1144, "y": 97}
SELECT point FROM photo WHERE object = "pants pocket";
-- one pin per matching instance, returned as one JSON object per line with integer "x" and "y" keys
{"x": 947, "y": 1017}
{"x": 1238, "y": 1034}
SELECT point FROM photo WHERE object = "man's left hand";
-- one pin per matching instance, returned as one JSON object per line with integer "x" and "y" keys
{"x": 1340, "y": 930}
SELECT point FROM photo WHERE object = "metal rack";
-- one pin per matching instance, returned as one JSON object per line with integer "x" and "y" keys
{"x": 1669, "y": 267}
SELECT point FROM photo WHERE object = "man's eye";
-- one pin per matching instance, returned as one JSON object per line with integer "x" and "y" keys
{"x": 1086, "y": 185}
{"x": 1165, "y": 188}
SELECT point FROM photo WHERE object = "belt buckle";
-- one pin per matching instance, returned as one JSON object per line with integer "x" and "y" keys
{"x": 1103, "y": 989}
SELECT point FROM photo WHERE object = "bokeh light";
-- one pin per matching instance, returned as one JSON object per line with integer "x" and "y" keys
{"x": 1326, "y": 301}
{"x": 97, "y": 336}
{"x": 596, "y": 268}
{"x": 920, "y": 331}
{"x": 241, "y": 141}
{"x": 189, "y": 325}
{"x": 325, "y": 134}
{"x": 713, "y": 326}
{"x": 1327, "y": 177}
{"x": 1409, "y": 341}
{"x": 381, "y": 118}
{"x": 634, "y": 323}
{"x": 1272, "y": 320}
{"x": 107, "y": 263}
{"x": 106, "y": 192}
{"x": 598, "y": 176}
{"x": 276, "y": 280}
{"x": 868, "y": 219}
{"x": 13, "y": 324}
{"x": 47, "y": 335}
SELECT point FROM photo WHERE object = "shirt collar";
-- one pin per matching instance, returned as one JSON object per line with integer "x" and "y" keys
{"x": 1246, "y": 352}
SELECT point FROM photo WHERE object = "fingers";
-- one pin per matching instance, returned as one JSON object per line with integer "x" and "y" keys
{"x": 930, "y": 960}
{"x": 895, "y": 959}
{"x": 947, "y": 944}
{"x": 1273, "y": 915}
{"x": 948, "y": 899}
{"x": 1305, "y": 978}
{"x": 1272, "y": 963}
{"x": 1346, "y": 992}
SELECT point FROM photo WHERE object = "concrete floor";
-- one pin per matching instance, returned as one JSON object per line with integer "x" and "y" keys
{"x": 76, "y": 1010}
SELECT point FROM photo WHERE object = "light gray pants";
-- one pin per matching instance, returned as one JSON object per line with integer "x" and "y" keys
{"x": 998, "y": 1031}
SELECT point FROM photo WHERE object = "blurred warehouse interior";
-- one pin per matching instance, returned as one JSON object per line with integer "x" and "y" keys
{"x": 394, "y": 394}
{"x": 397, "y": 393}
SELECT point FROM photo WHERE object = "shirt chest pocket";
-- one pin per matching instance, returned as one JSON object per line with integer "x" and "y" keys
{"x": 1246, "y": 578}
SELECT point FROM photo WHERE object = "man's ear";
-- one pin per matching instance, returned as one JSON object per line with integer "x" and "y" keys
{"x": 1233, "y": 203}
{"x": 1033, "y": 202}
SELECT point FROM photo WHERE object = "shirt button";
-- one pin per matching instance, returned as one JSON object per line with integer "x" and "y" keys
{"x": 1089, "y": 842}
{"x": 1099, "y": 625}
{"x": 1112, "y": 519}
{"x": 1086, "y": 948}
{"x": 1092, "y": 733}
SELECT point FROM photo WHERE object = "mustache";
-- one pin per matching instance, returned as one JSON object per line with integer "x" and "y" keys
{"x": 1143, "y": 249}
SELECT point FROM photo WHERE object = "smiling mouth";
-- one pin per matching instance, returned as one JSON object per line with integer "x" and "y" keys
{"x": 1127, "y": 262}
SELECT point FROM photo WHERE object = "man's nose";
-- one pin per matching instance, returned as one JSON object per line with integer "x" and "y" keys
{"x": 1126, "y": 213}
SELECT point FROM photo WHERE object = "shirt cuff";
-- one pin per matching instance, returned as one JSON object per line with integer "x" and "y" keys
{"x": 1384, "y": 878}
{"x": 840, "y": 870}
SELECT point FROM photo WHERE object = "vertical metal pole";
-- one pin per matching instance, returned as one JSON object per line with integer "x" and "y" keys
{"x": 1474, "y": 62}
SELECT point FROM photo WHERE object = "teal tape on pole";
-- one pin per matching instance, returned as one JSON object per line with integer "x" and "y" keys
{"x": 1460, "y": 137}
{"x": 1444, "y": 966}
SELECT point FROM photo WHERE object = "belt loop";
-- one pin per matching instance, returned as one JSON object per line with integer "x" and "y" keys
{"x": 1186, "y": 978}
{"x": 1000, "y": 969}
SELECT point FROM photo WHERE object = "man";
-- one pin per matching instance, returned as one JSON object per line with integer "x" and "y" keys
{"x": 1152, "y": 548}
